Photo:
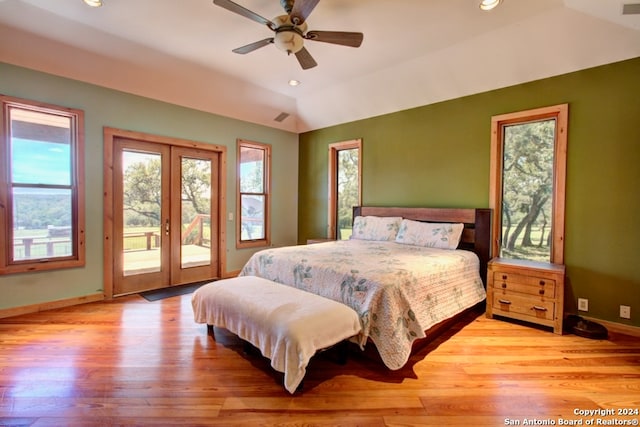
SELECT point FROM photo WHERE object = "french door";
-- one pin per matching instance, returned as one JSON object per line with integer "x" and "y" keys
{"x": 165, "y": 215}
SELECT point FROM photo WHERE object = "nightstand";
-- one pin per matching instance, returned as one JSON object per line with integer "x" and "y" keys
{"x": 526, "y": 290}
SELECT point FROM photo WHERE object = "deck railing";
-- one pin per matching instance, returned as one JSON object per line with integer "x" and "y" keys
{"x": 57, "y": 241}
{"x": 197, "y": 224}
{"x": 40, "y": 247}
{"x": 141, "y": 240}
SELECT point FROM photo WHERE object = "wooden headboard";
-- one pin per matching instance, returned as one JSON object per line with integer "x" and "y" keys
{"x": 476, "y": 236}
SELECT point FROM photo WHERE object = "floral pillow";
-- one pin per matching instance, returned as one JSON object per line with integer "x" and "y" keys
{"x": 376, "y": 228}
{"x": 430, "y": 234}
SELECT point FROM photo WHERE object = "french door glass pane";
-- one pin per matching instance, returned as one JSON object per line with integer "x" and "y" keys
{"x": 141, "y": 214}
{"x": 196, "y": 212}
{"x": 527, "y": 190}
{"x": 41, "y": 223}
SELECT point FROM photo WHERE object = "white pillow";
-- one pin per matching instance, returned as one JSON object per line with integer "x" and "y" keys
{"x": 376, "y": 228}
{"x": 430, "y": 234}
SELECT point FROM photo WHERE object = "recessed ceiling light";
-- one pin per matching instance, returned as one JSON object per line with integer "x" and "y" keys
{"x": 489, "y": 4}
{"x": 294, "y": 82}
{"x": 93, "y": 3}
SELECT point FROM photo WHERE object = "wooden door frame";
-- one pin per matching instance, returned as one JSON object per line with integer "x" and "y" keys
{"x": 109, "y": 136}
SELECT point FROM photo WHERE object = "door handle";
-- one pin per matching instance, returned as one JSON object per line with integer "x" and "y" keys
{"x": 166, "y": 227}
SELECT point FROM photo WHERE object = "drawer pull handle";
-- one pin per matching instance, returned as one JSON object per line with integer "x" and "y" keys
{"x": 504, "y": 286}
{"x": 538, "y": 308}
{"x": 504, "y": 301}
{"x": 542, "y": 283}
{"x": 504, "y": 277}
{"x": 541, "y": 291}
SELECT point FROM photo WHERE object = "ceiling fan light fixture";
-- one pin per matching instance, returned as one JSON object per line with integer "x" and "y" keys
{"x": 489, "y": 4}
{"x": 288, "y": 41}
{"x": 93, "y": 3}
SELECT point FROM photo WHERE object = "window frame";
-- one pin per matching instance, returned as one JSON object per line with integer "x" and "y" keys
{"x": 77, "y": 259}
{"x": 266, "y": 240}
{"x": 334, "y": 149}
{"x": 560, "y": 113}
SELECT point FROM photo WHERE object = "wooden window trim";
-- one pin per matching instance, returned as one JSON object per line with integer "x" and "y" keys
{"x": 561, "y": 114}
{"x": 332, "y": 191}
{"x": 78, "y": 191}
{"x": 266, "y": 241}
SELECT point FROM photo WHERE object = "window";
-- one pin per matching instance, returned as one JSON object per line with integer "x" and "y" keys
{"x": 344, "y": 186}
{"x": 527, "y": 194}
{"x": 253, "y": 207}
{"x": 41, "y": 190}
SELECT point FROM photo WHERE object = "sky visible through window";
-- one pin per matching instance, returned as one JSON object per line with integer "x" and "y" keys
{"x": 40, "y": 162}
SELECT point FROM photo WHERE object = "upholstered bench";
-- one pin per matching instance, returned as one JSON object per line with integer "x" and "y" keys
{"x": 286, "y": 324}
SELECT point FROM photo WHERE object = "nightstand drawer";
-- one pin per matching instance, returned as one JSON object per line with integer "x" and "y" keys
{"x": 504, "y": 304}
{"x": 500, "y": 276}
{"x": 524, "y": 284}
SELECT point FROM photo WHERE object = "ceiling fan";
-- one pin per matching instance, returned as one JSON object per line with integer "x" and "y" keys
{"x": 291, "y": 30}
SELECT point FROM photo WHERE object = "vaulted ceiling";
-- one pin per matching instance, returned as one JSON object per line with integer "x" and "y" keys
{"x": 415, "y": 52}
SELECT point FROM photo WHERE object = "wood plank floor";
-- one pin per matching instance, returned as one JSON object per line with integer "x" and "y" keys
{"x": 134, "y": 362}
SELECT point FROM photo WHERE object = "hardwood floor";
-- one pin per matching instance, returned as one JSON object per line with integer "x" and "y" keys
{"x": 134, "y": 362}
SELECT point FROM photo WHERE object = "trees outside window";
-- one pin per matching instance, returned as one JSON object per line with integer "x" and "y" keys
{"x": 527, "y": 190}
{"x": 142, "y": 189}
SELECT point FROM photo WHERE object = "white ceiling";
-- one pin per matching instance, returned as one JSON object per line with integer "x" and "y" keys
{"x": 415, "y": 52}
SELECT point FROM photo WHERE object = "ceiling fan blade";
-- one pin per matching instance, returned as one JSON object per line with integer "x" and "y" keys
{"x": 305, "y": 59}
{"x": 236, "y": 8}
{"x": 336, "y": 37}
{"x": 301, "y": 10}
{"x": 253, "y": 46}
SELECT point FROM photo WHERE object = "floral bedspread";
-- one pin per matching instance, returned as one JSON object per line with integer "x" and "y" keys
{"x": 399, "y": 291}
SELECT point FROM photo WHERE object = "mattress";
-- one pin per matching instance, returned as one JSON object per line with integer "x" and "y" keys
{"x": 399, "y": 291}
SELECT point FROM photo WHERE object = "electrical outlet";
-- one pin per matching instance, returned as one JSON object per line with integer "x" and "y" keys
{"x": 625, "y": 312}
{"x": 583, "y": 304}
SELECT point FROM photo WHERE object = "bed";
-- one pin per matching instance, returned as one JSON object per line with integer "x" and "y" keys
{"x": 400, "y": 285}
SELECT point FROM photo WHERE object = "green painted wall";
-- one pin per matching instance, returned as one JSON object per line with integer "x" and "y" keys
{"x": 438, "y": 155}
{"x": 105, "y": 107}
